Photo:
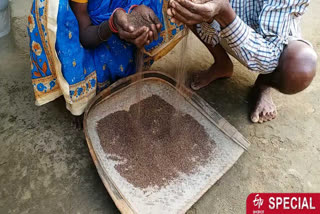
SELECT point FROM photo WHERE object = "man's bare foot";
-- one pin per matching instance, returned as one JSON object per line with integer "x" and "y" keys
{"x": 220, "y": 69}
{"x": 264, "y": 109}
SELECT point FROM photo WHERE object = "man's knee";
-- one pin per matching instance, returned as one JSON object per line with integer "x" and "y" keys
{"x": 297, "y": 67}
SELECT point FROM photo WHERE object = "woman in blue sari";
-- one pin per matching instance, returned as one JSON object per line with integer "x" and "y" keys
{"x": 79, "y": 48}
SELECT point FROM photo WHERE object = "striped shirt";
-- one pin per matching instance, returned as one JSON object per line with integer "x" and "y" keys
{"x": 259, "y": 32}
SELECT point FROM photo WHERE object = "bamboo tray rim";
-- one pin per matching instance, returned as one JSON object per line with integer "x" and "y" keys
{"x": 203, "y": 107}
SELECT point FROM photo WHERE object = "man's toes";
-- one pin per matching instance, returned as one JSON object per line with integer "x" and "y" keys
{"x": 264, "y": 116}
{"x": 255, "y": 116}
{"x": 198, "y": 81}
{"x": 261, "y": 119}
{"x": 274, "y": 114}
{"x": 195, "y": 86}
{"x": 195, "y": 82}
{"x": 269, "y": 116}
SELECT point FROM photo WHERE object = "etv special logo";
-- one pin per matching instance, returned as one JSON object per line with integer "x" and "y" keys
{"x": 284, "y": 203}
{"x": 257, "y": 202}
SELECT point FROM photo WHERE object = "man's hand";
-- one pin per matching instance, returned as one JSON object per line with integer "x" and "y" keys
{"x": 137, "y": 36}
{"x": 194, "y": 12}
{"x": 144, "y": 16}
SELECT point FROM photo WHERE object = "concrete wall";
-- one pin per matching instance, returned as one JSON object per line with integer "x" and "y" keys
{"x": 20, "y": 10}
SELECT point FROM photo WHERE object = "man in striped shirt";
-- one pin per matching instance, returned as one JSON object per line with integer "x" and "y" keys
{"x": 262, "y": 34}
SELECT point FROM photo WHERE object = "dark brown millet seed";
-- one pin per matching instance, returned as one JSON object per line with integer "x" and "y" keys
{"x": 156, "y": 147}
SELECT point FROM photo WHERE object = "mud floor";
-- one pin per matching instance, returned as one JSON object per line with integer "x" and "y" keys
{"x": 45, "y": 166}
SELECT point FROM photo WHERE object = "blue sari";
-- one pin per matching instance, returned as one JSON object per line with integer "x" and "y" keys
{"x": 84, "y": 72}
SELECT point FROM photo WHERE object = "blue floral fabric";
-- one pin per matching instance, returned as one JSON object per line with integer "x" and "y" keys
{"x": 86, "y": 71}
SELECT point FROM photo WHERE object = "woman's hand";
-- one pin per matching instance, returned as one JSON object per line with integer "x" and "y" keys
{"x": 194, "y": 12}
{"x": 145, "y": 16}
{"x": 138, "y": 36}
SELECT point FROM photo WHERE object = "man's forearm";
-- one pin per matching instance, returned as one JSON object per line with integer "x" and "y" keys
{"x": 256, "y": 52}
{"x": 225, "y": 16}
